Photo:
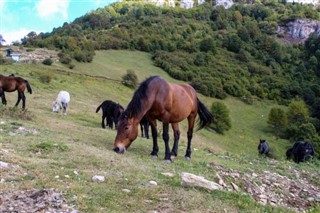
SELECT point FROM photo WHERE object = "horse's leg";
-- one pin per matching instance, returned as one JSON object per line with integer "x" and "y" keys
{"x": 165, "y": 137}
{"x": 23, "y": 97}
{"x": 141, "y": 128}
{"x": 191, "y": 120}
{"x": 154, "y": 131}
{"x": 146, "y": 129}
{"x": 3, "y": 97}
{"x": 18, "y": 101}
{"x": 176, "y": 135}
{"x": 64, "y": 107}
{"x": 109, "y": 121}
{"x": 103, "y": 120}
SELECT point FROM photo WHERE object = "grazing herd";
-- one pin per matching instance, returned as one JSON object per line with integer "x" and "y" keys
{"x": 152, "y": 101}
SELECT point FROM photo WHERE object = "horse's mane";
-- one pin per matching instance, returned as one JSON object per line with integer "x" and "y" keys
{"x": 135, "y": 106}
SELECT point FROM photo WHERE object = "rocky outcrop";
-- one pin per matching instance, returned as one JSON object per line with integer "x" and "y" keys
{"x": 313, "y": 2}
{"x": 225, "y": 3}
{"x": 298, "y": 31}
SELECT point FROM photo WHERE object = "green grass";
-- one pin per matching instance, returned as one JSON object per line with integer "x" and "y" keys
{"x": 76, "y": 142}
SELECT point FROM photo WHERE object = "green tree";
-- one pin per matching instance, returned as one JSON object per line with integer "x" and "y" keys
{"x": 297, "y": 111}
{"x": 1, "y": 40}
{"x": 222, "y": 121}
{"x": 277, "y": 119}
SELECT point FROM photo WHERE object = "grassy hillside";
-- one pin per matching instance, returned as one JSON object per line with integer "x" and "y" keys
{"x": 64, "y": 152}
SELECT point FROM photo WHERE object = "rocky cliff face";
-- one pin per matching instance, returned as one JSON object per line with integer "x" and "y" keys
{"x": 298, "y": 31}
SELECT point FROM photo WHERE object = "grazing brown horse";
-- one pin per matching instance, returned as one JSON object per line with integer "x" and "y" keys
{"x": 166, "y": 102}
{"x": 11, "y": 84}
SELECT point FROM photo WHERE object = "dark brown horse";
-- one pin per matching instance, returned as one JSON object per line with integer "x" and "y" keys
{"x": 11, "y": 84}
{"x": 166, "y": 102}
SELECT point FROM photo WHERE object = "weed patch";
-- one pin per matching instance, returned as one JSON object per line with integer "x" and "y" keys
{"x": 15, "y": 113}
{"x": 47, "y": 147}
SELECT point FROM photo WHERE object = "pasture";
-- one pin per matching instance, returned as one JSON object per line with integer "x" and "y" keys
{"x": 49, "y": 150}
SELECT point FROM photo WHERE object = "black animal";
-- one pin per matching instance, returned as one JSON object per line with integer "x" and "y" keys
{"x": 301, "y": 151}
{"x": 263, "y": 147}
{"x": 111, "y": 112}
{"x": 144, "y": 126}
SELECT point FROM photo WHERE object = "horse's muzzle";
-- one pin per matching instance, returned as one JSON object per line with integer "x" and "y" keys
{"x": 119, "y": 150}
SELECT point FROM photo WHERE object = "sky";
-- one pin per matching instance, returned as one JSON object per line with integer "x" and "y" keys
{"x": 20, "y": 17}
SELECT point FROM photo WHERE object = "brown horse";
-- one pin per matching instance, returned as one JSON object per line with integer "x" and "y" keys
{"x": 11, "y": 84}
{"x": 166, "y": 102}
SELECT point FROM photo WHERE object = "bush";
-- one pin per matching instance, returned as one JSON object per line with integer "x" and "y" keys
{"x": 47, "y": 61}
{"x": 301, "y": 132}
{"x": 64, "y": 58}
{"x": 222, "y": 121}
{"x": 45, "y": 78}
{"x": 130, "y": 79}
{"x": 277, "y": 119}
{"x": 297, "y": 111}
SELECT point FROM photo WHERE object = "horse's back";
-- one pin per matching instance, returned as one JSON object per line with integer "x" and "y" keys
{"x": 172, "y": 102}
{"x": 63, "y": 96}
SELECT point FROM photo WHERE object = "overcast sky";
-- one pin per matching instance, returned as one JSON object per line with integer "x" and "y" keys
{"x": 19, "y": 17}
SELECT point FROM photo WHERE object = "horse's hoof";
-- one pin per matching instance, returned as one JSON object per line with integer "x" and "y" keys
{"x": 154, "y": 156}
{"x": 168, "y": 161}
{"x": 187, "y": 158}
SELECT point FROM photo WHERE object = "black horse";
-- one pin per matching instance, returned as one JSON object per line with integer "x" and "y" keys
{"x": 111, "y": 111}
{"x": 144, "y": 126}
{"x": 263, "y": 147}
{"x": 301, "y": 151}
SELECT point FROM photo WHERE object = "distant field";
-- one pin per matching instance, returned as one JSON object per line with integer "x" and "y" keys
{"x": 76, "y": 142}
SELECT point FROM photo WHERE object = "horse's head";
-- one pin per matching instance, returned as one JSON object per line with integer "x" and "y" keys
{"x": 127, "y": 132}
{"x": 55, "y": 106}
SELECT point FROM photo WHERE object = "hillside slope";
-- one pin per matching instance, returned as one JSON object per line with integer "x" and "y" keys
{"x": 45, "y": 150}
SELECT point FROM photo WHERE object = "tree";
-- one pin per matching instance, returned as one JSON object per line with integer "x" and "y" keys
{"x": 1, "y": 40}
{"x": 277, "y": 119}
{"x": 222, "y": 121}
{"x": 297, "y": 111}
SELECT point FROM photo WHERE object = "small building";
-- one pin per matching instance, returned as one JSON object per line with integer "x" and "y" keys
{"x": 15, "y": 57}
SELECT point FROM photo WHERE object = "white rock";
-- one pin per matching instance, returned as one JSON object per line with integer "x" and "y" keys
{"x": 152, "y": 182}
{"x": 189, "y": 179}
{"x": 126, "y": 190}
{"x": 3, "y": 165}
{"x": 98, "y": 178}
{"x": 168, "y": 174}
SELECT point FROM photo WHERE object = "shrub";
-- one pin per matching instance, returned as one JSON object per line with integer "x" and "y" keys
{"x": 222, "y": 121}
{"x": 45, "y": 78}
{"x": 130, "y": 79}
{"x": 47, "y": 61}
{"x": 64, "y": 58}
{"x": 301, "y": 132}
{"x": 277, "y": 119}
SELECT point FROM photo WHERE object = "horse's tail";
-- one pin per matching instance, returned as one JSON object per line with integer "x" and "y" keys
{"x": 28, "y": 87}
{"x": 97, "y": 110}
{"x": 206, "y": 118}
